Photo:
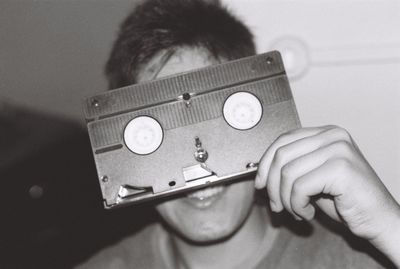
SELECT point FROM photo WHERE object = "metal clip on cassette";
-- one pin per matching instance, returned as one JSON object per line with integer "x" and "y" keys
{"x": 189, "y": 130}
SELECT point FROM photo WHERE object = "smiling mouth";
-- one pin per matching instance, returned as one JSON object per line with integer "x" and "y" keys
{"x": 205, "y": 198}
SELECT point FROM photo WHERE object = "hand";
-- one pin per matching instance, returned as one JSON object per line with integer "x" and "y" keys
{"x": 323, "y": 165}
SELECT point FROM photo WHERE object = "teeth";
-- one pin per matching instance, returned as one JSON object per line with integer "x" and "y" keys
{"x": 206, "y": 193}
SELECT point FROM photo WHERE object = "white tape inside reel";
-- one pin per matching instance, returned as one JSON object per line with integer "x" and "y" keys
{"x": 143, "y": 135}
{"x": 242, "y": 110}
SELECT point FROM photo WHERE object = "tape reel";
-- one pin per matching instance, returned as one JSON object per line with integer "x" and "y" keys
{"x": 242, "y": 110}
{"x": 143, "y": 135}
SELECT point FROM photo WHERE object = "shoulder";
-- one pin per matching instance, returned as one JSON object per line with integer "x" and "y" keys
{"x": 331, "y": 245}
{"x": 137, "y": 249}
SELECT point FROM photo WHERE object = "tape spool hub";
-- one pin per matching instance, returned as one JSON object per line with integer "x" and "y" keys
{"x": 242, "y": 110}
{"x": 143, "y": 135}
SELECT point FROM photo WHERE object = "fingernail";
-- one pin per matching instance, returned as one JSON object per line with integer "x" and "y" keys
{"x": 297, "y": 218}
{"x": 273, "y": 206}
{"x": 256, "y": 183}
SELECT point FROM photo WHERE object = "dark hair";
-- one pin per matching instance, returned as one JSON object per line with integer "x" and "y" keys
{"x": 156, "y": 25}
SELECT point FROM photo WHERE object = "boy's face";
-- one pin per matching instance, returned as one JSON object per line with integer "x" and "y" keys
{"x": 215, "y": 212}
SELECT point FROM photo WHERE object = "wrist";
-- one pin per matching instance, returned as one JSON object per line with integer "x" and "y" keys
{"x": 388, "y": 241}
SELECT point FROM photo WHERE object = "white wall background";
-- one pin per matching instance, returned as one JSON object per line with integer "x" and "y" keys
{"x": 343, "y": 58}
{"x": 344, "y": 62}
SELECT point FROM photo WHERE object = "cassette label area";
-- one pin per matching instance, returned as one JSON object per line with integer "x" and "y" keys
{"x": 190, "y": 130}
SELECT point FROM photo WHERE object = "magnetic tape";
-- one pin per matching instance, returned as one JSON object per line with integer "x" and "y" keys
{"x": 188, "y": 130}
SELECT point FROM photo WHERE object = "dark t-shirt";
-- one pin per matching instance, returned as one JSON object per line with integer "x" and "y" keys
{"x": 318, "y": 247}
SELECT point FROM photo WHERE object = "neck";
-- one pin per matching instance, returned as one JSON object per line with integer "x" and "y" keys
{"x": 245, "y": 241}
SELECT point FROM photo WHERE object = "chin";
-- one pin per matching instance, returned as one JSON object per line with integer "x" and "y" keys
{"x": 209, "y": 232}
{"x": 211, "y": 214}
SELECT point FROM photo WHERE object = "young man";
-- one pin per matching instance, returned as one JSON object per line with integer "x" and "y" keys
{"x": 223, "y": 226}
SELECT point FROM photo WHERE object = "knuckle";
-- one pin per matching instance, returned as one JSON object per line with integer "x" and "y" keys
{"x": 342, "y": 133}
{"x": 330, "y": 127}
{"x": 342, "y": 164}
{"x": 297, "y": 190}
{"x": 280, "y": 155}
{"x": 283, "y": 137}
{"x": 343, "y": 147}
{"x": 286, "y": 171}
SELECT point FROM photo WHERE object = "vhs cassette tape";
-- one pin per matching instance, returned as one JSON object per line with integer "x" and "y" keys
{"x": 189, "y": 130}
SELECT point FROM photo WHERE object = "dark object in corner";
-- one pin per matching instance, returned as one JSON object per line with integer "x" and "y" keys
{"x": 52, "y": 214}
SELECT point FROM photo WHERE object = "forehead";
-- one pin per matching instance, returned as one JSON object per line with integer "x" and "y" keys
{"x": 167, "y": 63}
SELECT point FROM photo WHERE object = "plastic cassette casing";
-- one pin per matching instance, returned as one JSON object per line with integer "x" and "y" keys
{"x": 188, "y": 130}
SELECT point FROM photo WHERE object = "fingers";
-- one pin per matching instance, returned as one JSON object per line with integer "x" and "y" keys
{"x": 283, "y": 170}
{"x": 267, "y": 158}
{"x": 305, "y": 164}
{"x": 318, "y": 181}
{"x": 295, "y": 154}
{"x": 323, "y": 167}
